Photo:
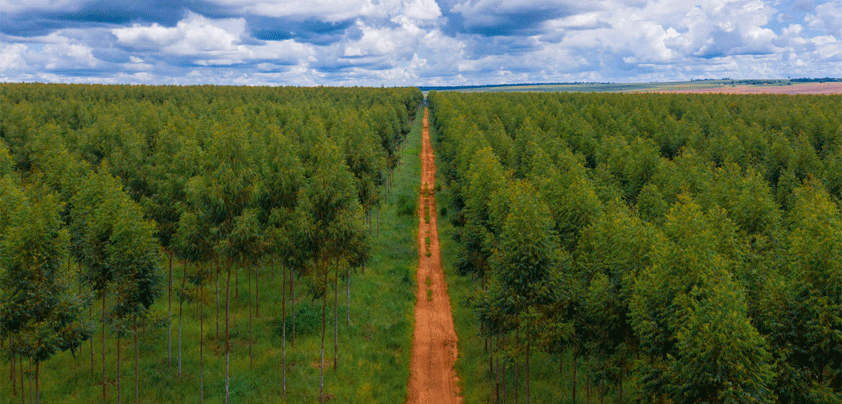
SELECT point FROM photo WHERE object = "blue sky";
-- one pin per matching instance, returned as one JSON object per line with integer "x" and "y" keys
{"x": 415, "y": 42}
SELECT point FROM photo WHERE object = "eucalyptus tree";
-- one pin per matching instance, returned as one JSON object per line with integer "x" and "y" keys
{"x": 192, "y": 243}
{"x": 220, "y": 195}
{"x": 686, "y": 307}
{"x": 803, "y": 307}
{"x": 525, "y": 265}
{"x": 118, "y": 249}
{"x": 333, "y": 218}
{"x": 37, "y": 310}
{"x": 610, "y": 254}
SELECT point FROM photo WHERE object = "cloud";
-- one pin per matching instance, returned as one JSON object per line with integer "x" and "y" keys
{"x": 828, "y": 17}
{"x": 415, "y": 42}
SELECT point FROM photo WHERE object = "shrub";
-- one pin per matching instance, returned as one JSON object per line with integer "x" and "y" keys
{"x": 407, "y": 205}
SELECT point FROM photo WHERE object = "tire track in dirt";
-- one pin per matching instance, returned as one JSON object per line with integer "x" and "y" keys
{"x": 432, "y": 378}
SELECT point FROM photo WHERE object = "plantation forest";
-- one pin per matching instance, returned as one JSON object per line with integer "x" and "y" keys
{"x": 255, "y": 244}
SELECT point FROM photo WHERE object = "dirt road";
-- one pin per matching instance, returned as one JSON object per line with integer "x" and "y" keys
{"x": 432, "y": 379}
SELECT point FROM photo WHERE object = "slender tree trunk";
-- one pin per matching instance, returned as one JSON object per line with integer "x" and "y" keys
{"x": 169, "y": 314}
{"x": 227, "y": 335}
{"x": 348, "y": 300}
{"x": 29, "y": 379}
{"x": 561, "y": 363}
{"x": 503, "y": 387}
{"x": 217, "y": 301}
{"x": 201, "y": 341}
{"x": 37, "y": 382}
{"x": 180, "y": 314}
{"x": 257, "y": 291}
{"x": 22, "y": 391}
{"x": 490, "y": 354}
{"x": 136, "y": 370}
{"x": 497, "y": 371}
{"x": 517, "y": 363}
{"x": 251, "y": 358}
{"x": 12, "y": 360}
{"x": 588, "y": 390}
{"x": 90, "y": 315}
{"x": 20, "y": 368}
{"x": 602, "y": 393}
{"x": 575, "y": 360}
{"x": 620, "y": 398}
{"x": 322, "y": 363}
{"x": 119, "y": 390}
{"x": 528, "y": 397}
{"x": 284, "y": 328}
{"x": 103, "y": 346}
{"x": 336, "y": 317}
{"x": 292, "y": 292}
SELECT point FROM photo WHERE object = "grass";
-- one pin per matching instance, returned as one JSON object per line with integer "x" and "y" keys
{"x": 477, "y": 383}
{"x": 374, "y": 350}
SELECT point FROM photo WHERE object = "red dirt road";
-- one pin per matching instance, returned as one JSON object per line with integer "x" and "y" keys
{"x": 432, "y": 379}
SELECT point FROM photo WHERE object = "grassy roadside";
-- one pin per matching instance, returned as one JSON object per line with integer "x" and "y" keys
{"x": 374, "y": 349}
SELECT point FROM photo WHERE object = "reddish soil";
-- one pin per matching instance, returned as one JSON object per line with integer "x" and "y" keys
{"x": 432, "y": 378}
{"x": 795, "y": 89}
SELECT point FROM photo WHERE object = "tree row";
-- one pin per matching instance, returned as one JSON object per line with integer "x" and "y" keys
{"x": 688, "y": 246}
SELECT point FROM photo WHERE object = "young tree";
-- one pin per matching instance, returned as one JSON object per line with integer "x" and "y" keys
{"x": 688, "y": 289}
{"x": 333, "y": 220}
{"x": 525, "y": 264}
{"x": 38, "y": 310}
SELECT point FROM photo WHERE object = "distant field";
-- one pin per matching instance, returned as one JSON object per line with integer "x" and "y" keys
{"x": 702, "y": 86}
{"x": 793, "y": 89}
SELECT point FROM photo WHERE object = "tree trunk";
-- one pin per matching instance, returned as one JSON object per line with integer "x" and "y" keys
{"x": 620, "y": 398}
{"x": 236, "y": 284}
{"x": 517, "y": 363}
{"x": 119, "y": 390}
{"x": 528, "y": 397}
{"x": 497, "y": 372}
{"x": 180, "y": 314}
{"x": 257, "y": 291}
{"x": 284, "y": 328}
{"x": 227, "y": 335}
{"x": 38, "y": 382}
{"x": 29, "y": 378}
{"x": 217, "y": 301}
{"x": 251, "y": 358}
{"x": 169, "y": 314}
{"x": 292, "y": 292}
{"x": 103, "y": 346}
{"x": 336, "y": 317}
{"x": 588, "y": 390}
{"x": 12, "y": 367}
{"x": 322, "y": 363}
{"x": 20, "y": 368}
{"x": 490, "y": 354}
{"x": 22, "y": 391}
{"x": 602, "y": 393}
{"x": 136, "y": 368}
{"x": 201, "y": 342}
{"x": 90, "y": 314}
{"x": 503, "y": 372}
{"x": 348, "y": 301}
{"x": 575, "y": 359}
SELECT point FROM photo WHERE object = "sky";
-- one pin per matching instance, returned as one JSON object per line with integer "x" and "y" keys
{"x": 416, "y": 42}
